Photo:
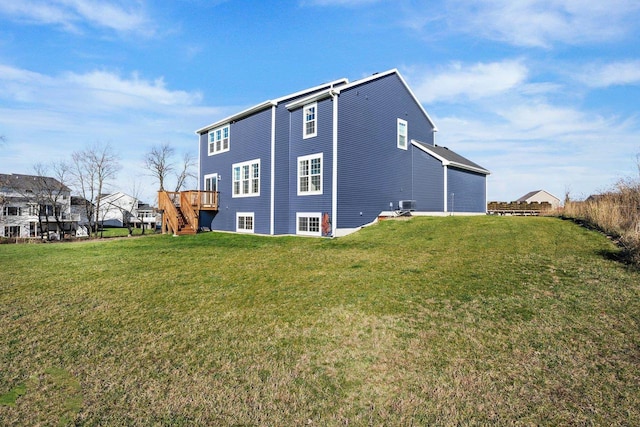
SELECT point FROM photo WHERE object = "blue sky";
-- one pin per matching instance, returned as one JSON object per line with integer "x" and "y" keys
{"x": 544, "y": 93}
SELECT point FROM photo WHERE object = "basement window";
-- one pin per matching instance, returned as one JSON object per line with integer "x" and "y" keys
{"x": 308, "y": 224}
{"x": 244, "y": 222}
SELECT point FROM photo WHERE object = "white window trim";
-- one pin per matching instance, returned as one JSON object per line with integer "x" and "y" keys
{"x": 317, "y": 215}
{"x": 240, "y": 165}
{"x": 245, "y": 215}
{"x": 309, "y": 158}
{"x": 211, "y": 144}
{"x": 306, "y": 135}
{"x": 406, "y": 135}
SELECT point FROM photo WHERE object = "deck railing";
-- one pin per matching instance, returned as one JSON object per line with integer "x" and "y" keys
{"x": 169, "y": 212}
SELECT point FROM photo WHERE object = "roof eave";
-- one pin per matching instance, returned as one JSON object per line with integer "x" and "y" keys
{"x": 238, "y": 116}
{"x": 309, "y": 99}
{"x": 268, "y": 104}
{"x": 468, "y": 167}
{"x": 447, "y": 162}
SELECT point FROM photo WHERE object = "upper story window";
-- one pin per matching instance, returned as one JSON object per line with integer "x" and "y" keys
{"x": 12, "y": 211}
{"x": 246, "y": 179}
{"x": 310, "y": 125}
{"x": 219, "y": 140}
{"x": 310, "y": 174}
{"x": 402, "y": 134}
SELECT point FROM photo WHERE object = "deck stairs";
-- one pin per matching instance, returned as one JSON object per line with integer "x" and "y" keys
{"x": 181, "y": 210}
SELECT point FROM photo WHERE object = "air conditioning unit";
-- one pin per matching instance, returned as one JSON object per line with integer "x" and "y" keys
{"x": 407, "y": 205}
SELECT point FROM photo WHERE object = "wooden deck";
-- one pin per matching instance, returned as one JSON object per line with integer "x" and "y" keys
{"x": 181, "y": 210}
{"x": 518, "y": 208}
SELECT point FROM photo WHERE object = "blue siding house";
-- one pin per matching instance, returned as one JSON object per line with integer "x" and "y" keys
{"x": 330, "y": 159}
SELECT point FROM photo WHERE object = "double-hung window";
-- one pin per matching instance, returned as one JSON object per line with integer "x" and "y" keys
{"x": 310, "y": 122}
{"x": 246, "y": 179}
{"x": 219, "y": 140}
{"x": 402, "y": 134}
{"x": 310, "y": 174}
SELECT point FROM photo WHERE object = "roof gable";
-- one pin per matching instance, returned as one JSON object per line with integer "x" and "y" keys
{"x": 393, "y": 71}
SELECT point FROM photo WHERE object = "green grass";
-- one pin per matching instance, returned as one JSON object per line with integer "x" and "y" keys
{"x": 124, "y": 232}
{"x": 458, "y": 320}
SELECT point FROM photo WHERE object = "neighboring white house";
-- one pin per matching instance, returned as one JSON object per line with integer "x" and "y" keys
{"x": 34, "y": 206}
{"x": 540, "y": 196}
{"x": 121, "y": 210}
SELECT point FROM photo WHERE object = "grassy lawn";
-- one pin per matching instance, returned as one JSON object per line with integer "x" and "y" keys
{"x": 458, "y": 320}
{"x": 124, "y": 232}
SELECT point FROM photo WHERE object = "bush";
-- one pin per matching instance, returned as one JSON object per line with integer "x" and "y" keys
{"x": 616, "y": 213}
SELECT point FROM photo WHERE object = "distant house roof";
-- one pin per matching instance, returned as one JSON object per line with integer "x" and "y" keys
{"x": 530, "y": 194}
{"x": 145, "y": 207}
{"x": 25, "y": 183}
{"x": 450, "y": 158}
{"x": 79, "y": 201}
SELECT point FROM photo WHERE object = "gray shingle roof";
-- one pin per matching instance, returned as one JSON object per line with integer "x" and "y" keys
{"x": 450, "y": 157}
{"x": 22, "y": 183}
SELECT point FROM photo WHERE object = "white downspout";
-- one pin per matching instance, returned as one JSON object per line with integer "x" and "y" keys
{"x": 446, "y": 198}
{"x": 273, "y": 172}
{"x": 334, "y": 166}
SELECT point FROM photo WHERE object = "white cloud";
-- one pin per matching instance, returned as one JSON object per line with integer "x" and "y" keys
{"x": 523, "y": 132}
{"x": 541, "y": 23}
{"x": 543, "y": 146}
{"x": 529, "y": 23}
{"x": 72, "y": 15}
{"x": 470, "y": 81}
{"x": 46, "y": 117}
{"x": 112, "y": 90}
{"x": 101, "y": 89}
{"x": 612, "y": 74}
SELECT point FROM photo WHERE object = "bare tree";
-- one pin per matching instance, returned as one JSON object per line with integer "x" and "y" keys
{"x": 188, "y": 163}
{"x": 50, "y": 194}
{"x": 159, "y": 162}
{"x": 93, "y": 169}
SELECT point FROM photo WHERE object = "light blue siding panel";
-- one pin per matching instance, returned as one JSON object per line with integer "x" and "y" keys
{"x": 250, "y": 139}
{"x": 428, "y": 182}
{"x": 468, "y": 189}
{"x": 372, "y": 172}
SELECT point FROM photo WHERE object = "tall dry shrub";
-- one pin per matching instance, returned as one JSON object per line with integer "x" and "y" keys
{"x": 616, "y": 213}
